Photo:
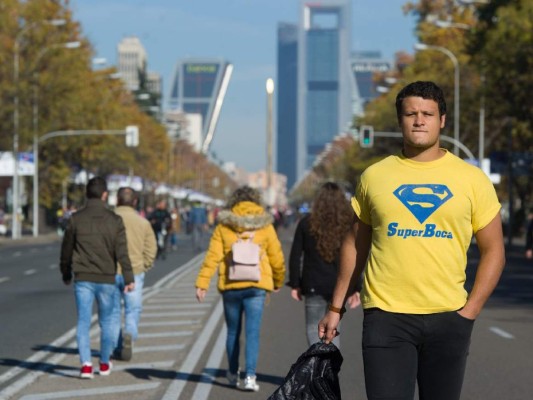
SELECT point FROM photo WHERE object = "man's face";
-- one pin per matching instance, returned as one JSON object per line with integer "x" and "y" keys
{"x": 420, "y": 123}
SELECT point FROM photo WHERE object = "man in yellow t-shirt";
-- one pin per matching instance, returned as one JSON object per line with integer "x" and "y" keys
{"x": 416, "y": 214}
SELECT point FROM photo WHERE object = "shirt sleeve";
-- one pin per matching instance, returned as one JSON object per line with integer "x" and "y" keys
{"x": 360, "y": 201}
{"x": 486, "y": 205}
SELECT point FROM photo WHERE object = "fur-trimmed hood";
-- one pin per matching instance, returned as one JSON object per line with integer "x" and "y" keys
{"x": 245, "y": 216}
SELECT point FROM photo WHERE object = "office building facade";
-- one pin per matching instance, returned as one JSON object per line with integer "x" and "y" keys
{"x": 287, "y": 101}
{"x": 364, "y": 65}
{"x": 324, "y": 92}
{"x": 324, "y": 86}
{"x": 132, "y": 61}
{"x": 199, "y": 87}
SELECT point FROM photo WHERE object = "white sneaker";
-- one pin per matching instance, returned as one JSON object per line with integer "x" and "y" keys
{"x": 233, "y": 379}
{"x": 250, "y": 384}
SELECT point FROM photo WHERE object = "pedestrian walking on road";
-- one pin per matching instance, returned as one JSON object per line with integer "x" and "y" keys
{"x": 142, "y": 250}
{"x": 416, "y": 214}
{"x": 244, "y": 219}
{"x": 161, "y": 221}
{"x": 314, "y": 256}
{"x": 94, "y": 240}
{"x": 199, "y": 225}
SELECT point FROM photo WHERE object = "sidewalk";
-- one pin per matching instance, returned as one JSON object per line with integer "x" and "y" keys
{"x": 7, "y": 241}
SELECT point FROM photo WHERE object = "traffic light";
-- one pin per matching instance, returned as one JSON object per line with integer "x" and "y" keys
{"x": 132, "y": 136}
{"x": 366, "y": 136}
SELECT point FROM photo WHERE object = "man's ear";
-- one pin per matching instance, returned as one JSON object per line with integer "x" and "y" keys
{"x": 104, "y": 196}
{"x": 442, "y": 121}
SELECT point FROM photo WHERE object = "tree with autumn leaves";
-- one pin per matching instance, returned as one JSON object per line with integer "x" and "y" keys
{"x": 58, "y": 90}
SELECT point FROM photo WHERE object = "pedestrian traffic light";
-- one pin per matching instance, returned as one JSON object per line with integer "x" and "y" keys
{"x": 132, "y": 136}
{"x": 366, "y": 136}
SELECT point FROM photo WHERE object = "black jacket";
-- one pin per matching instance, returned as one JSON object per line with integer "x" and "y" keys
{"x": 95, "y": 239}
{"x": 314, "y": 376}
{"x": 313, "y": 275}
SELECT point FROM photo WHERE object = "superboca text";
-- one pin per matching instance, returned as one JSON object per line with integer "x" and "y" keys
{"x": 429, "y": 231}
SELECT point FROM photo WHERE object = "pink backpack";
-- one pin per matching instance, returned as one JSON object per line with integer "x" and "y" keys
{"x": 246, "y": 259}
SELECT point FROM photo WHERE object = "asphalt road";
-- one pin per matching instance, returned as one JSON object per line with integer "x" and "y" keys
{"x": 180, "y": 353}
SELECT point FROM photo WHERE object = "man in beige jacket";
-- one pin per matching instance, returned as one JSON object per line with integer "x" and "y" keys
{"x": 142, "y": 250}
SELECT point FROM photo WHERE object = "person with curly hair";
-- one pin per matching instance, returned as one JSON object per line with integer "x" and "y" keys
{"x": 243, "y": 218}
{"x": 314, "y": 256}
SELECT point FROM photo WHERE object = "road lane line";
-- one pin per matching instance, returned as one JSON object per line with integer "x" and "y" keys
{"x": 177, "y": 306}
{"x": 170, "y": 323}
{"x": 4, "y": 279}
{"x": 163, "y": 347}
{"x": 30, "y": 272}
{"x": 182, "y": 376}
{"x": 204, "y": 386}
{"x": 165, "y": 334}
{"x": 501, "y": 332}
{"x": 172, "y": 314}
{"x": 70, "y": 394}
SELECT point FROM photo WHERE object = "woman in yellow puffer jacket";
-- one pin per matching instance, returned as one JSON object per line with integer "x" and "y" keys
{"x": 244, "y": 214}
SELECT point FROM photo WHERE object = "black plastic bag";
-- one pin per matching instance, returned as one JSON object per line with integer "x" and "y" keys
{"x": 314, "y": 376}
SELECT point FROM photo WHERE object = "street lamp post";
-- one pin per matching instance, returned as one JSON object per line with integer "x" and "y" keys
{"x": 270, "y": 92}
{"x": 16, "y": 53}
{"x": 67, "y": 45}
{"x": 423, "y": 46}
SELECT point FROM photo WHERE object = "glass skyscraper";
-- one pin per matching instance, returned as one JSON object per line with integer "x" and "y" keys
{"x": 199, "y": 87}
{"x": 287, "y": 110}
{"x": 322, "y": 95}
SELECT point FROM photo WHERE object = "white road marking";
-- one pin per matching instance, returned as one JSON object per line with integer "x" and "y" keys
{"x": 170, "y": 323}
{"x": 176, "y": 386}
{"x": 203, "y": 388}
{"x": 172, "y": 314}
{"x": 501, "y": 332}
{"x": 194, "y": 305}
{"x": 80, "y": 393}
{"x": 30, "y": 272}
{"x": 4, "y": 279}
{"x": 165, "y": 334}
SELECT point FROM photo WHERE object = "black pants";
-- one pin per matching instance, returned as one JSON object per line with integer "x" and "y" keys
{"x": 401, "y": 349}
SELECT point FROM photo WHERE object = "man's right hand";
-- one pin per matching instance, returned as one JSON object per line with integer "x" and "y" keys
{"x": 129, "y": 288}
{"x": 327, "y": 327}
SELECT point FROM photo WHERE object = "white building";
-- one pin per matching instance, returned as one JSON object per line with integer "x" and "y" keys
{"x": 132, "y": 61}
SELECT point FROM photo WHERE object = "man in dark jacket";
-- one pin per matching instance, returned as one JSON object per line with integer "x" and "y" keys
{"x": 95, "y": 239}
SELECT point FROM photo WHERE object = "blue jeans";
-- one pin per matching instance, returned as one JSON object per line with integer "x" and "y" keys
{"x": 106, "y": 296}
{"x": 401, "y": 349}
{"x": 250, "y": 301}
{"x": 133, "y": 304}
{"x": 316, "y": 307}
{"x": 198, "y": 237}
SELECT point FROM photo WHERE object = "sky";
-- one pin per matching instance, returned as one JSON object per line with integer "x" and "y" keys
{"x": 242, "y": 32}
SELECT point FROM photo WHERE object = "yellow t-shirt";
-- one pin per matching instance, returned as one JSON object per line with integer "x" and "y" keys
{"x": 423, "y": 215}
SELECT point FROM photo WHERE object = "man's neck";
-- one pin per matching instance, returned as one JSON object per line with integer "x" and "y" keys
{"x": 423, "y": 155}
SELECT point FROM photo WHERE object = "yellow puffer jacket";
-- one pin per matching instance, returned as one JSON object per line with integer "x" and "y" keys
{"x": 244, "y": 217}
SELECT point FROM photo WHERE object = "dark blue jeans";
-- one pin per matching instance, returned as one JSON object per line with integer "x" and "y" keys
{"x": 250, "y": 303}
{"x": 401, "y": 349}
